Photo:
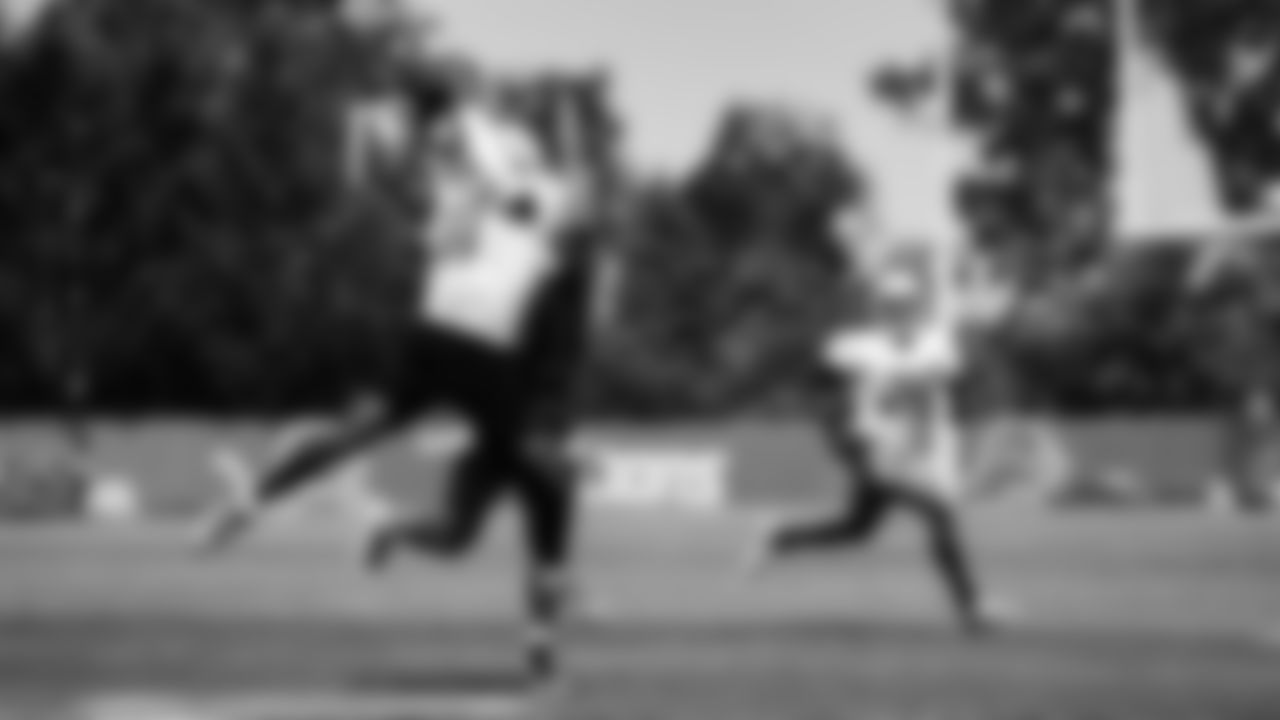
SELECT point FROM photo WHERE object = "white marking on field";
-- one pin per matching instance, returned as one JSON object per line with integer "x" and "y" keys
{"x": 315, "y": 706}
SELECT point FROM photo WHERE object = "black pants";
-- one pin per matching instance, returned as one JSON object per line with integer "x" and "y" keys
{"x": 520, "y": 450}
{"x": 520, "y": 404}
{"x": 863, "y": 516}
{"x": 540, "y": 486}
{"x": 872, "y": 499}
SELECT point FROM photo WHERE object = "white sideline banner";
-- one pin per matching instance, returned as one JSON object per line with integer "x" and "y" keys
{"x": 685, "y": 479}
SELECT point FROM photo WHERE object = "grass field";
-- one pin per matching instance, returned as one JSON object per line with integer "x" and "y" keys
{"x": 1129, "y": 616}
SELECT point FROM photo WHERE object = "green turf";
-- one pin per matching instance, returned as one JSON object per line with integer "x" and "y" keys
{"x": 1130, "y": 616}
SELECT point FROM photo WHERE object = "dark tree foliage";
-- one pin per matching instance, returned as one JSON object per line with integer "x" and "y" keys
{"x": 174, "y": 225}
{"x": 1123, "y": 337}
{"x": 177, "y": 230}
{"x": 653, "y": 362}
{"x": 735, "y": 271}
{"x": 1227, "y": 53}
{"x": 1117, "y": 328}
{"x": 1035, "y": 82}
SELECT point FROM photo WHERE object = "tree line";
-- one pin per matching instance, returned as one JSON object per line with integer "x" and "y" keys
{"x": 178, "y": 233}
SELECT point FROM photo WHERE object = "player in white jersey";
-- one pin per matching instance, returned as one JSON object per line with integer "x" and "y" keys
{"x": 887, "y": 416}
{"x": 887, "y": 410}
{"x": 493, "y": 241}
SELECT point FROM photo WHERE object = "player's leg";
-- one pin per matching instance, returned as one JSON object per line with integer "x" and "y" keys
{"x": 298, "y": 470}
{"x": 480, "y": 384}
{"x": 543, "y": 484}
{"x": 434, "y": 368}
{"x": 546, "y": 480}
{"x": 948, "y": 550}
{"x": 865, "y": 509}
{"x": 856, "y": 524}
{"x": 474, "y": 484}
{"x": 546, "y": 473}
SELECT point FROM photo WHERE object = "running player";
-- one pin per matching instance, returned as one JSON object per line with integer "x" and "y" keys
{"x": 500, "y": 211}
{"x": 887, "y": 419}
{"x": 526, "y": 453}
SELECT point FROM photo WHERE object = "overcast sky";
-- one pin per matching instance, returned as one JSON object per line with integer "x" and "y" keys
{"x": 676, "y": 63}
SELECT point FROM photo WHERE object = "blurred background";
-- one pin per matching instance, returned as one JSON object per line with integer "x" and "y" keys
{"x": 179, "y": 236}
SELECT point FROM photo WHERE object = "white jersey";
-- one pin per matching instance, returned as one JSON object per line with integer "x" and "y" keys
{"x": 498, "y": 207}
{"x": 900, "y": 399}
